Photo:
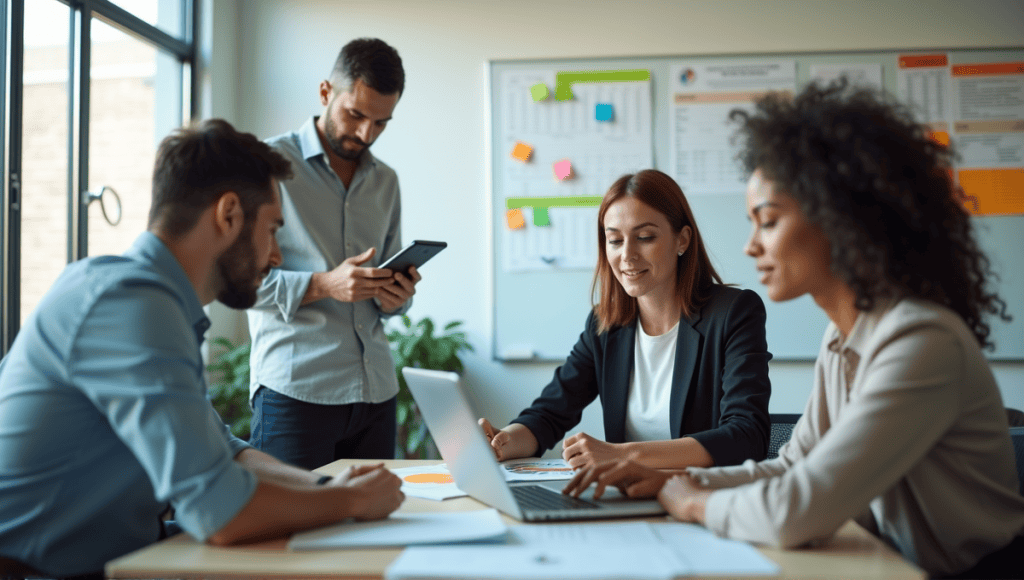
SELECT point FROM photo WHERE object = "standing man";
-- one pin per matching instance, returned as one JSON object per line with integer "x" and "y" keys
{"x": 104, "y": 416}
{"x": 323, "y": 382}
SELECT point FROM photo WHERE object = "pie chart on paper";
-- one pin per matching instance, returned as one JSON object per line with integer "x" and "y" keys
{"x": 428, "y": 478}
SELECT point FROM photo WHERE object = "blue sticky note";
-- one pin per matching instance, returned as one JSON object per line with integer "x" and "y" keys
{"x": 603, "y": 112}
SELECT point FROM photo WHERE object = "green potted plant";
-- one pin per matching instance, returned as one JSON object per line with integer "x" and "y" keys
{"x": 415, "y": 345}
{"x": 229, "y": 384}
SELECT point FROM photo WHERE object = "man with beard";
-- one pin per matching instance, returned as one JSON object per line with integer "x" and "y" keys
{"x": 323, "y": 382}
{"x": 104, "y": 420}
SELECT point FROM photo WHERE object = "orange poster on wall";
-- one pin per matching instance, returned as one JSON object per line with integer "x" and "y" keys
{"x": 993, "y": 191}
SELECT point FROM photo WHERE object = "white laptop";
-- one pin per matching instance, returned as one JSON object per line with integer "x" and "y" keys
{"x": 475, "y": 469}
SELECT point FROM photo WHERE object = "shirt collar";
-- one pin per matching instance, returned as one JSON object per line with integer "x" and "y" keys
{"x": 310, "y": 145}
{"x": 151, "y": 249}
{"x": 863, "y": 328}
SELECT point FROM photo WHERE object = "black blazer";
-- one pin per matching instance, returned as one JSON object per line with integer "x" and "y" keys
{"x": 720, "y": 384}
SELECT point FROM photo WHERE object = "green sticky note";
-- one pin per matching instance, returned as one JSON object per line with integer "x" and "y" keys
{"x": 539, "y": 91}
{"x": 565, "y": 80}
{"x": 540, "y": 216}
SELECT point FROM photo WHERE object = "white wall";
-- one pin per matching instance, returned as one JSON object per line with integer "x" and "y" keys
{"x": 437, "y": 139}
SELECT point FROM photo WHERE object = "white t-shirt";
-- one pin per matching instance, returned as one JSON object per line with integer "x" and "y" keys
{"x": 650, "y": 386}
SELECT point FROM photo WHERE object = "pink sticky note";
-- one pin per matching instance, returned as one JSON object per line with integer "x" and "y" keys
{"x": 562, "y": 169}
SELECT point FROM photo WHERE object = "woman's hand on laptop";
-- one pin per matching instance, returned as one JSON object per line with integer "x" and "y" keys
{"x": 632, "y": 479}
{"x": 512, "y": 442}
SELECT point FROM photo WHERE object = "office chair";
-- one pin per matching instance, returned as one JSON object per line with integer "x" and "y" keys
{"x": 782, "y": 429}
{"x": 1017, "y": 434}
{"x": 1015, "y": 417}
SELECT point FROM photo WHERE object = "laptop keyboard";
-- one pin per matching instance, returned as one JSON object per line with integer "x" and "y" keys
{"x": 539, "y": 498}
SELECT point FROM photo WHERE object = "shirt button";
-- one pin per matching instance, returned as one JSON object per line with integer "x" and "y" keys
{"x": 359, "y": 326}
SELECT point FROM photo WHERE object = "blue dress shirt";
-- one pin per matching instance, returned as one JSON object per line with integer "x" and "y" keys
{"x": 326, "y": 352}
{"x": 105, "y": 421}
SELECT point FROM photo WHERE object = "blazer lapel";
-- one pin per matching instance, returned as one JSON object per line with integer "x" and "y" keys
{"x": 688, "y": 345}
{"x": 618, "y": 368}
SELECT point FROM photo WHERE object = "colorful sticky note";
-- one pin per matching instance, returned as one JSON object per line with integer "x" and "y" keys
{"x": 515, "y": 219}
{"x": 563, "y": 169}
{"x": 540, "y": 216}
{"x": 603, "y": 112}
{"x": 522, "y": 151}
{"x": 539, "y": 92}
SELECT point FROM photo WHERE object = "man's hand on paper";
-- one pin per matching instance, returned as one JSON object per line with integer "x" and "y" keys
{"x": 632, "y": 479}
{"x": 376, "y": 491}
{"x": 581, "y": 451}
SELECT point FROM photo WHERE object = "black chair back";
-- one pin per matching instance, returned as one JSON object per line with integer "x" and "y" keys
{"x": 782, "y": 430}
{"x": 1017, "y": 434}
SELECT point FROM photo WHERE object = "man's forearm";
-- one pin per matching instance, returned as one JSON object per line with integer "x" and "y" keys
{"x": 270, "y": 469}
{"x": 316, "y": 290}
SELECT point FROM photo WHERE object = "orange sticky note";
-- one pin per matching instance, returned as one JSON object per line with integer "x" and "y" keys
{"x": 563, "y": 169}
{"x": 522, "y": 151}
{"x": 940, "y": 137}
{"x": 515, "y": 219}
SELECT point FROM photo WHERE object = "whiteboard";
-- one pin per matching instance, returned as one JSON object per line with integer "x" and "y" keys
{"x": 539, "y": 314}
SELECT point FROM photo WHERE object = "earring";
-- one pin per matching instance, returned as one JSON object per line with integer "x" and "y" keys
{"x": 680, "y": 254}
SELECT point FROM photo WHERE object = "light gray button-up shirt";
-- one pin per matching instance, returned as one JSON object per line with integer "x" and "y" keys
{"x": 326, "y": 352}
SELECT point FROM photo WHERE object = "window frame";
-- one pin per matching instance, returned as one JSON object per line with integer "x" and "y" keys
{"x": 12, "y": 52}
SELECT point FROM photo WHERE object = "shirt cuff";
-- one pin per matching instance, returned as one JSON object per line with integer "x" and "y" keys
{"x": 207, "y": 512}
{"x": 716, "y": 509}
{"x": 237, "y": 446}
{"x": 289, "y": 292}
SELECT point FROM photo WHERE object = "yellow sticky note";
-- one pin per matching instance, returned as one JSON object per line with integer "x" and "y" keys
{"x": 515, "y": 219}
{"x": 522, "y": 151}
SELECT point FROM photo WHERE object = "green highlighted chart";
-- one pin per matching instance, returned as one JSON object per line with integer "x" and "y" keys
{"x": 540, "y": 205}
{"x": 565, "y": 80}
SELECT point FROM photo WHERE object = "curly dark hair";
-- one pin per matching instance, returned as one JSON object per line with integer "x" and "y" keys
{"x": 881, "y": 190}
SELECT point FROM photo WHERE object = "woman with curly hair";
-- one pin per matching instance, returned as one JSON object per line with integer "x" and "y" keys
{"x": 905, "y": 430}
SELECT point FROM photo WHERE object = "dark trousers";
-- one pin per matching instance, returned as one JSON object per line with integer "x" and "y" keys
{"x": 310, "y": 435}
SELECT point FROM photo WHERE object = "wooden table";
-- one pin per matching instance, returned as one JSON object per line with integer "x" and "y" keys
{"x": 851, "y": 553}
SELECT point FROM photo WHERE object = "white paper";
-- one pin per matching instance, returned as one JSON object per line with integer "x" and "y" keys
{"x": 927, "y": 90}
{"x": 423, "y": 487}
{"x": 988, "y": 111}
{"x": 701, "y": 95}
{"x": 533, "y": 469}
{"x": 867, "y": 75}
{"x": 599, "y": 152}
{"x": 599, "y": 550}
{"x": 706, "y": 554}
{"x": 405, "y": 529}
{"x": 533, "y": 563}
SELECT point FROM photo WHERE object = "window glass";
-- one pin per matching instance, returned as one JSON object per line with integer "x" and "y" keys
{"x": 135, "y": 99}
{"x": 44, "y": 164}
{"x": 164, "y": 14}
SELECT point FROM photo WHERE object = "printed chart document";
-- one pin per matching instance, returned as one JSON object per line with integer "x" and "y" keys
{"x": 429, "y": 482}
{"x": 701, "y": 95}
{"x": 533, "y": 469}
{"x": 405, "y": 529}
{"x": 596, "y": 550}
{"x": 988, "y": 131}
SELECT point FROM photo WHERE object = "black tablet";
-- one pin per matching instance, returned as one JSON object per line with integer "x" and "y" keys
{"x": 415, "y": 254}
